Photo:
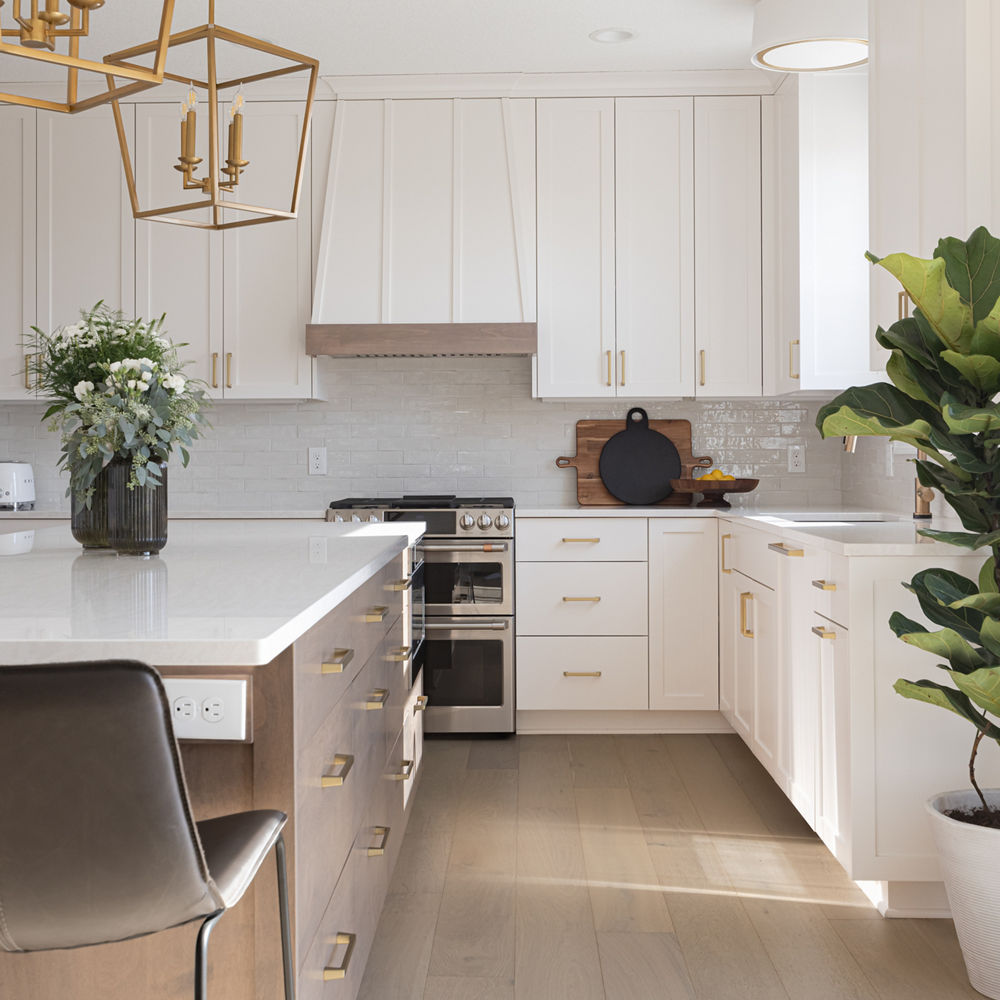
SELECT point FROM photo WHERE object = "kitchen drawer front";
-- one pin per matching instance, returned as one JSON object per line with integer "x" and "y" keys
{"x": 581, "y": 539}
{"x": 746, "y": 551}
{"x": 345, "y": 628}
{"x": 395, "y": 681}
{"x": 831, "y": 603}
{"x": 582, "y": 598}
{"x": 620, "y": 663}
{"x": 413, "y": 733}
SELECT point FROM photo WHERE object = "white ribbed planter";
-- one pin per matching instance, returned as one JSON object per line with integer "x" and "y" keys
{"x": 969, "y": 863}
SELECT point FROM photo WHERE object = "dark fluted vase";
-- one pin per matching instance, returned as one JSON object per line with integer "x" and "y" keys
{"x": 137, "y": 518}
{"x": 89, "y": 525}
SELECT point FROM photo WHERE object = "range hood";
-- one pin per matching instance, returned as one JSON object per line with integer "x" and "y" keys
{"x": 421, "y": 340}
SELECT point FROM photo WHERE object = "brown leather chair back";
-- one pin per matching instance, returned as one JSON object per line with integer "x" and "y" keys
{"x": 97, "y": 842}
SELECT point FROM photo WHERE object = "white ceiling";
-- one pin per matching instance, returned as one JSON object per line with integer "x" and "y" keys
{"x": 376, "y": 37}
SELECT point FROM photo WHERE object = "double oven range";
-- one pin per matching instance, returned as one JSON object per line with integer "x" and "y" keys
{"x": 467, "y": 656}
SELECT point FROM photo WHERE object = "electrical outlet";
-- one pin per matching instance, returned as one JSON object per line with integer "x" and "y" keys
{"x": 206, "y": 708}
{"x": 317, "y": 461}
{"x": 796, "y": 458}
{"x": 317, "y": 549}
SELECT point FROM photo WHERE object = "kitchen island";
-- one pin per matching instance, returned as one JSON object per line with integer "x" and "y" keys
{"x": 312, "y": 616}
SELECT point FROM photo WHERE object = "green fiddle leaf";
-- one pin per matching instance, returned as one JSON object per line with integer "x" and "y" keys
{"x": 933, "y": 693}
{"x": 989, "y": 604}
{"x": 901, "y": 625}
{"x": 904, "y": 374}
{"x": 879, "y": 409}
{"x": 980, "y": 370}
{"x": 966, "y": 540}
{"x": 982, "y": 686}
{"x": 972, "y": 268}
{"x": 963, "y": 419}
{"x": 989, "y": 635}
{"x": 948, "y": 644}
{"x": 987, "y": 577}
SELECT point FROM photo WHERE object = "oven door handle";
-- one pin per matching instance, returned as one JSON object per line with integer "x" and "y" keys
{"x": 497, "y": 625}
{"x": 463, "y": 547}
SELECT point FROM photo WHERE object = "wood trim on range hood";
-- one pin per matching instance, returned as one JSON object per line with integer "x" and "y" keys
{"x": 417, "y": 340}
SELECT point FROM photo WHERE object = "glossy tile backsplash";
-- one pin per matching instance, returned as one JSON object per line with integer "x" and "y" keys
{"x": 448, "y": 425}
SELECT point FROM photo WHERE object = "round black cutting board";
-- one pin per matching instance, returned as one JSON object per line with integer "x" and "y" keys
{"x": 637, "y": 463}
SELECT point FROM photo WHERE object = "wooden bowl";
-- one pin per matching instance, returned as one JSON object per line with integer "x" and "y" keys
{"x": 714, "y": 490}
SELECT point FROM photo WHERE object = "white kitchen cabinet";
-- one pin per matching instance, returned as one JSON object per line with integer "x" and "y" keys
{"x": 85, "y": 246}
{"x": 729, "y": 596}
{"x": 727, "y": 209}
{"x": 683, "y": 605}
{"x": 17, "y": 250}
{"x": 429, "y": 213}
{"x": 615, "y": 238}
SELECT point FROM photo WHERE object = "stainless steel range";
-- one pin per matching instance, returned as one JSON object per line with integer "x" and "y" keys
{"x": 468, "y": 655}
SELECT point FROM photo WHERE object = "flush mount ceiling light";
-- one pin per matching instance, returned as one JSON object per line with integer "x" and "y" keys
{"x": 807, "y": 36}
{"x": 220, "y": 208}
{"x": 610, "y": 36}
{"x": 37, "y": 30}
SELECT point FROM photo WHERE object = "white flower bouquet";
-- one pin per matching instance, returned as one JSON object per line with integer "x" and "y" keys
{"x": 118, "y": 392}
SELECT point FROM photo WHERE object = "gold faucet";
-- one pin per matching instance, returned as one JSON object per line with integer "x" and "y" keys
{"x": 922, "y": 495}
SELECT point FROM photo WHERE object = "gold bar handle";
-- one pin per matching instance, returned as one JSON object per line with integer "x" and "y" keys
{"x": 745, "y": 599}
{"x": 377, "y": 699}
{"x": 592, "y": 541}
{"x": 215, "y": 369}
{"x": 400, "y": 655}
{"x": 608, "y": 353}
{"x": 383, "y": 832}
{"x": 421, "y": 705}
{"x": 903, "y": 298}
{"x": 722, "y": 553}
{"x": 341, "y": 760}
{"x": 701, "y": 366}
{"x": 574, "y": 600}
{"x": 229, "y": 370}
{"x": 405, "y": 770}
{"x": 786, "y": 550}
{"x": 581, "y": 673}
{"x": 376, "y": 613}
{"x": 27, "y": 372}
{"x": 824, "y": 585}
{"x": 621, "y": 374}
{"x": 400, "y": 585}
{"x": 823, "y": 633}
{"x": 340, "y": 971}
{"x": 336, "y": 663}
{"x": 792, "y": 344}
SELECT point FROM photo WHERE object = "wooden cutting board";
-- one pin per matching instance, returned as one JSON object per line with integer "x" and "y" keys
{"x": 593, "y": 435}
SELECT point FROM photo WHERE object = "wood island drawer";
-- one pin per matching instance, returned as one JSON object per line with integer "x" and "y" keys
{"x": 582, "y": 598}
{"x": 575, "y": 672}
{"x": 581, "y": 539}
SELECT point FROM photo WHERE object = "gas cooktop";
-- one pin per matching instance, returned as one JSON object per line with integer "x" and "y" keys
{"x": 418, "y": 502}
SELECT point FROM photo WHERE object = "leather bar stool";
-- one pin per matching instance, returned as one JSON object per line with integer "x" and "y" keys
{"x": 97, "y": 841}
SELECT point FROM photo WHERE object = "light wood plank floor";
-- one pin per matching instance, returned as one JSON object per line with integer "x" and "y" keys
{"x": 632, "y": 868}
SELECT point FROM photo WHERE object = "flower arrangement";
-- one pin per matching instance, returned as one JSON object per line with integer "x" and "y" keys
{"x": 119, "y": 393}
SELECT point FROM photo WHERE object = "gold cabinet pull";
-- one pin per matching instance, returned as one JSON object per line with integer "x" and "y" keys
{"x": 785, "y": 550}
{"x": 701, "y": 365}
{"x": 27, "y": 372}
{"x": 421, "y": 705}
{"x": 215, "y": 369}
{"x": 405, "y": 770}
{"x": 376, "y": 700}
{"x": 345, "y": 761}
{"x": 589, "y": 600}
{"x": 340, "y": 971}
{"x": 581, "y": 673}
{"x": 722, "y": 553}
{"x": 383, "y": 832}
{"x": 400, "y": 655}
{"x": 823, "y": 633}
{"x": 792, "y": 373}
{"x": 400, "y": 585}
{"x": 745, "y": 599}
{"x": 903, "y": 299}
{"x": 592, "y": 541}
{"x": 621, "y": 374}
{"x": 337, "y": 661}
{"x": 376, "y": 613}
{"x": 229, "y": 370}
{"x": 608, "y": 353}
{"x": 824, "y": 585}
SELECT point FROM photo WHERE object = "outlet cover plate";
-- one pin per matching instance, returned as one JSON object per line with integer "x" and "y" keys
{"x": 209, "y": 708}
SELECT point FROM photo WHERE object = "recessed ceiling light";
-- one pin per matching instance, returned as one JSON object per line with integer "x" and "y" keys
{"x": 610, "y": 36}
{"x": 806, "y": 36}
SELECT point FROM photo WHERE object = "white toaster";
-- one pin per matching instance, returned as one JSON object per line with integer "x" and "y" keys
{"x": 17, "y": 486}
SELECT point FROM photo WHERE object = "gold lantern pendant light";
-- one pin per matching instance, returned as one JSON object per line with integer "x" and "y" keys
{"x": 215, "y": 211}
{"x": 39, "y": 28}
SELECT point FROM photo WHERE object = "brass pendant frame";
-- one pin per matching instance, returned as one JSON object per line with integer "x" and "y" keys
{"x": 138, "y": 78}
{"x": 210, "y": 34}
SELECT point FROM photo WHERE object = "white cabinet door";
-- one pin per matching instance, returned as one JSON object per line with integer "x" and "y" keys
{"x": 17, "y": 249}
{"x": 268, "y": 267}
{"x": 178, "y": 270}
{"x": 744, "y": 660}
{"x": 654, "y": 241}
{"x": 729, "y": 593}
{"x": 86, "y": 233}
{"x": 684, "y": 614}
{"x": 727, "y": 245}
{"x": 576, "y": 247}
{"x": 769, "y": 684}
{"x": 833, "y": 744}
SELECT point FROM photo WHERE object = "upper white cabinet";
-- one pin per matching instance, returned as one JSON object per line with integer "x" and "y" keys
{"x": 430, "y": 213}
{"x": 17, "y": 249}
{"x": 727, "y": 206}
{"x": 615, "y": 247}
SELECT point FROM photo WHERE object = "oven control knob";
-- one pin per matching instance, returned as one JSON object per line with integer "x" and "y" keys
{"x": 502, "y": 522}
{"x": 485, "y": 521}
{"x": 466, "y": 521}
{"x": 354, "y": 517}
{"x": 373, "y": 518}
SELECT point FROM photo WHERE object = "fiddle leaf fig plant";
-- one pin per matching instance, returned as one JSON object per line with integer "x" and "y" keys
{"x": 944, "y": 371}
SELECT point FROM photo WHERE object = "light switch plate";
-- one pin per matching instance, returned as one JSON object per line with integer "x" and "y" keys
{"x": 208, "y": 708}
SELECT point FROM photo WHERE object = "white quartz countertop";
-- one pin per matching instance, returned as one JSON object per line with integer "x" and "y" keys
{"x": 221, "y": 593}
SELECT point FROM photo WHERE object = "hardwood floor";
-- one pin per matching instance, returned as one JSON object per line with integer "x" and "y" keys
{"x": 632, "y": 868}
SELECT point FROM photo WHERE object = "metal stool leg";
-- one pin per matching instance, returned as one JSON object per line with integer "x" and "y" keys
{"x": 201, "y": 956}
{"x": 286, "y": 929}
